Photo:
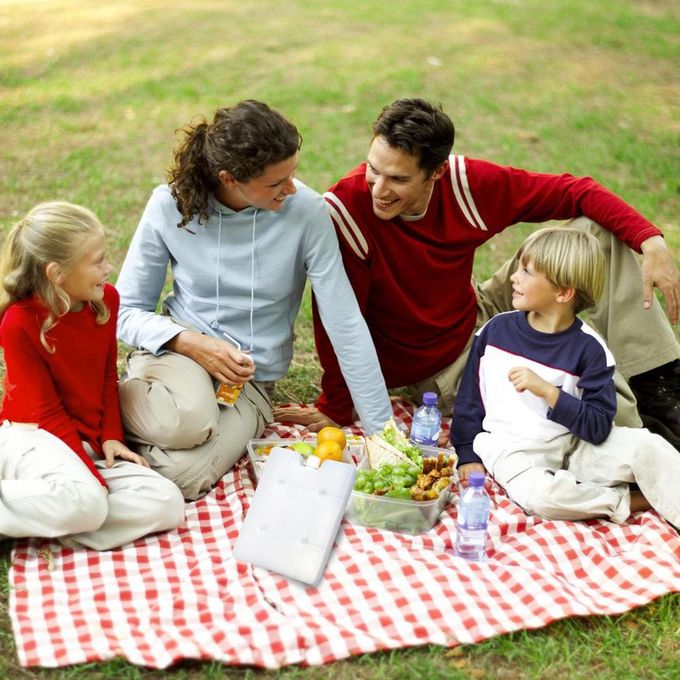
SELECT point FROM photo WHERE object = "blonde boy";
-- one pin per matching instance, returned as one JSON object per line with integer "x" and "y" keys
{"x": 537, "y": 398}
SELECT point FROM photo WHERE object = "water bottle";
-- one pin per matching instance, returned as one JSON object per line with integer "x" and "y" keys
{"x": 473, "y": 518}
{"x": 427, "y": 421}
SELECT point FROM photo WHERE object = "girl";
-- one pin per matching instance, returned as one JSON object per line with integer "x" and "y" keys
{"x": 64, "y": 469}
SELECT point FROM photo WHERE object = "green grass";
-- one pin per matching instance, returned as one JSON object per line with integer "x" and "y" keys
{"x": 92, "y": 94}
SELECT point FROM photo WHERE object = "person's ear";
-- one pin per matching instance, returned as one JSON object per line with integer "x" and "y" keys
{"x": 54, "y": 274}
{"x": 226, "y": 179}
{"x": 439, "y": 171}
{"x": 565, "y": 294}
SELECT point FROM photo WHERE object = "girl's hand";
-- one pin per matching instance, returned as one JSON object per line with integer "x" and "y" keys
{"x": 113, "y": 449}
{"x": 465, "y": 470}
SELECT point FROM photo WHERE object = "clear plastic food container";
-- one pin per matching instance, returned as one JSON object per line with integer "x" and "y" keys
{"x": 394, "y": 514}
{"x": 258, "y": 458}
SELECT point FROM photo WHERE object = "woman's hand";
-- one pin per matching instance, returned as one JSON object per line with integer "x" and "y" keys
{"x": 219, "y": 358}
{"x": 113, "y": 449}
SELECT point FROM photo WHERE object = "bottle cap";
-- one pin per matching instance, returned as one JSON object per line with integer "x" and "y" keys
{"x": 477, "y": 478}
{"x": 429, "y": 398}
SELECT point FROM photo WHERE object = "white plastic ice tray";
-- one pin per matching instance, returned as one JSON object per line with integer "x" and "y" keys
{"x": 294, "y": 516}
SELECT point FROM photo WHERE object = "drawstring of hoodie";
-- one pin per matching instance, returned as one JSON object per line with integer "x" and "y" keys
{"x": 216, "y": 324}
{"x": 252, "y": 284}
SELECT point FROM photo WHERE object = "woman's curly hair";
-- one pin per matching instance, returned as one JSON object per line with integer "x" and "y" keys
{"x": 243, "y": 140}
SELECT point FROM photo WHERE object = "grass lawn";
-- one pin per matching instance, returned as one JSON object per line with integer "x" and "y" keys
{"x": 93, "y": 92}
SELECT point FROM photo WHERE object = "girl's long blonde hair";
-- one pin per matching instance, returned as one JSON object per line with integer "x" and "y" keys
{"x": 50, "y": 232}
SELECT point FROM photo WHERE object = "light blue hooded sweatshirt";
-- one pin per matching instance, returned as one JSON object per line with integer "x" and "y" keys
{"x": 243, "y": 273}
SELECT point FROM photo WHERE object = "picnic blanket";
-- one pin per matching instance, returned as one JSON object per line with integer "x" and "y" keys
{"x": 181, "y": 595}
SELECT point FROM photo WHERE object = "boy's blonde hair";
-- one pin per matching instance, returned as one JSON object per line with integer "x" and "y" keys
{"x": 569, "y": 258}
{"x": 50, "y": 232}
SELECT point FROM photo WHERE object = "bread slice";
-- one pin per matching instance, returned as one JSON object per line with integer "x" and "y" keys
{"x": 381, "y": 452}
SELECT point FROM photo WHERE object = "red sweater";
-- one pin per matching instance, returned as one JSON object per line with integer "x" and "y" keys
{"x": 72, "y": 393}
{"x": 412, "y": 278}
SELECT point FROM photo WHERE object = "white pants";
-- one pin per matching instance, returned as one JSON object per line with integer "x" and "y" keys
{"x": 169, "y": 409}
{"x": 568, "y": 478}
{"x": 47, "y": 491}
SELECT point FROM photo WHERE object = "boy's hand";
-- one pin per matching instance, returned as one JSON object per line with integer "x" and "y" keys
{"x": 524, "y": 378}
{"x": 465, "y": 470}
{"x": 113, "y": 449}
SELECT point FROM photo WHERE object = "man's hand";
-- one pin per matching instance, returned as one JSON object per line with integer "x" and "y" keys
{"x": 524, "y": 378}
{"x": 465, "y": 470}
{"x": 219, "y": 358}
{"x": 660, "y": 271}
{"x": 113, "y": 449}
{"x": 303, "y": 415}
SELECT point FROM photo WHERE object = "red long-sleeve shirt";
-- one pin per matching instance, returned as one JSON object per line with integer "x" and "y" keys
{"x": 72, "y": 393}
{"x": 412, "y": 278}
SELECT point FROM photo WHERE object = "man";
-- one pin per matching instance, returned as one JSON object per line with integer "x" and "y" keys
{"x": 409, "y": 221}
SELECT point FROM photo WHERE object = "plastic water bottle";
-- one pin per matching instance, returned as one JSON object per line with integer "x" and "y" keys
{"x": 427, "y": 421}
{"x": 473, "y": 519}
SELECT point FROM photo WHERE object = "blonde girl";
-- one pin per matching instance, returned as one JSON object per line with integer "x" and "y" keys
{"x": 65, "y": 471}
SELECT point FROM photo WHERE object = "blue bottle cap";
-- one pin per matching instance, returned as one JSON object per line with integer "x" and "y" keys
{"x": 429, "y": 398}
{"x": 477, "y": 478}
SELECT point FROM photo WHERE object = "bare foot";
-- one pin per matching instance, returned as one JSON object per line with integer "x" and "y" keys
{"x": 309, "y": 416}
{"x": 638, "y": 501}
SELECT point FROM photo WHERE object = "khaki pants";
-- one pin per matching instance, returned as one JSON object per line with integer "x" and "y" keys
{"x": 47, "y": 491}
{"x": 640, "y": 339}
{"x": 570, "y": 479}
{"x": 169, "y": 410}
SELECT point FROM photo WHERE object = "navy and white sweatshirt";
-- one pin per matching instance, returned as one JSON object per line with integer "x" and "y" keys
{"x": 576, "y": 360}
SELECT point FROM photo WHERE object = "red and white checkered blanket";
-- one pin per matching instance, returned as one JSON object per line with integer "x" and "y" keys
{"x": 181, "y": 595}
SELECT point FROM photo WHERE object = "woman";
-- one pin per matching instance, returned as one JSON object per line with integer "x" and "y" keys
{"x": 241, "y": 236}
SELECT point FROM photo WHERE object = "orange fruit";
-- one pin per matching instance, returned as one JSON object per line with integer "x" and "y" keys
{"x": 329, "y": 450}
{"x": 331, "y": 434}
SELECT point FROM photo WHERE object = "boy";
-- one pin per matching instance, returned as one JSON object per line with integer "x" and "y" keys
{"x": 537, "y": 398}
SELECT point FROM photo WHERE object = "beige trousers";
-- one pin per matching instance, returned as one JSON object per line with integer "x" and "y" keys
{"x": 570, "y": 479}
{"x": 47, "y": 491}
{"x": 169, "y": 411}
{"x": 640, "y": 339}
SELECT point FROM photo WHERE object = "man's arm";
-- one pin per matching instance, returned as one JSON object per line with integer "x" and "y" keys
{"x": 505, "y": 196}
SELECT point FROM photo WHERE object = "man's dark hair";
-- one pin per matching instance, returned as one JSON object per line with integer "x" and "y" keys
{"x": 418, "y": 128}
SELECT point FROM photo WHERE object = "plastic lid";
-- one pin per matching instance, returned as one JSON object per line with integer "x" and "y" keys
{"x": 477, "y": 478}
{"x": 429, "y": 398}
